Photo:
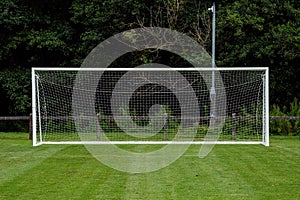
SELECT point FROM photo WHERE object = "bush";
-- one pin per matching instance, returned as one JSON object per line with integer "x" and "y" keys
{"x": 285, "y": 127}
{"x": 14, "y": 126}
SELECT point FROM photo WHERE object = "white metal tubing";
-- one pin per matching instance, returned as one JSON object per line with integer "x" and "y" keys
{"x": 266, "y": 88}
{"x": 34, "y": 142}
{"x": 267, "y": 108}
{"x": 154, "y": 69}
{"x": 151, "y": 142}
{"x": 39, "y": 110}
{"x": 263, "y": 108}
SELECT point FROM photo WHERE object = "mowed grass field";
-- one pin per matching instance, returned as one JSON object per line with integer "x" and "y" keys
{"x": 228, "y": 172}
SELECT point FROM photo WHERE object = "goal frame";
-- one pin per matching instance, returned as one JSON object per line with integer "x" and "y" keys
{"x": 36, "y": 127}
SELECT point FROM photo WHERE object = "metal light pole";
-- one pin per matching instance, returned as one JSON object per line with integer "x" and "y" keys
{"x": 212, "y": 90}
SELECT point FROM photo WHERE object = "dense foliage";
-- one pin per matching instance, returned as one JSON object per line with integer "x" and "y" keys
{"x": 61, "y": 33}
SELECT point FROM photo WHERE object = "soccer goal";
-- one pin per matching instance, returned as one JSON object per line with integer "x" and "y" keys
{"x": 150, "y": 105}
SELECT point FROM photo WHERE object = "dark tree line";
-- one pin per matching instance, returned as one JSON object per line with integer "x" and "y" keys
{"x": 61, "y": 33}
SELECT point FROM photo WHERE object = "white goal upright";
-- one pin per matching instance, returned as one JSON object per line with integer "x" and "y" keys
{"x": 150, "y": 105}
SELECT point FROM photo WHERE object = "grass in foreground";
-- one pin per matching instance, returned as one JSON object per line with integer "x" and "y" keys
{"x": 229, "y": 172}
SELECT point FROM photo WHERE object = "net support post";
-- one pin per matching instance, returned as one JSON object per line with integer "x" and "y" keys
{"x": 98, "y": 135}
{"x": 233, "y": 126}
{"x": 165, "y": 128}
{"x": 30, "y": 127}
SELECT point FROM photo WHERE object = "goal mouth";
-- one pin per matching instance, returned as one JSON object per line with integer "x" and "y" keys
{"x": 150, "y": 106}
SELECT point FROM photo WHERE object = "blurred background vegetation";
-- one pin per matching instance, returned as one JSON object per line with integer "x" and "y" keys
{"x": 56, "y": 33}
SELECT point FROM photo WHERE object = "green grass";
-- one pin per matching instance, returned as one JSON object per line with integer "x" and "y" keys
{"x": 229, "y": 172}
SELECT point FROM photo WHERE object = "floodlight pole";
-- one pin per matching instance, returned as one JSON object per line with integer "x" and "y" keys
{"x": 212, "y": 90}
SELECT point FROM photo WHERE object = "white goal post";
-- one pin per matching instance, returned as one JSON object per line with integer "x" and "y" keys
{"x": 150, "y": 105}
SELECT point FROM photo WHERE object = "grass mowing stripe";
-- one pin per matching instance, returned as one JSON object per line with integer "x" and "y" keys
{"x": 259, "y": 171}
{"x": 176, "y": 182}
{"x": 87, "y": 171}
{"x": 71, "y": 173}
{"x": 239, "y": 168}
{"x": 214, "y": 177}
{"x": 18, "y": 156}
{"x": 228, "y": 172}
{"x": 19, "y": 164}
{"x": 154, "y": 185}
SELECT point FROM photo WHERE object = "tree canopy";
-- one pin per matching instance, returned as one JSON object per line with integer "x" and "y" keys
{"x": 61, "y": 33}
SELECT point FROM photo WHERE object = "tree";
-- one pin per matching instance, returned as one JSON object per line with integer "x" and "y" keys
{"x": 61, "y": 33}
{"x": 15, "y": 90}
{"x": 262, "y": 33}
{"x": 33, "y": 33}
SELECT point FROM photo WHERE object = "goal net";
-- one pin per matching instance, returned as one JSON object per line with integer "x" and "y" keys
{"x": 150, "y": 105}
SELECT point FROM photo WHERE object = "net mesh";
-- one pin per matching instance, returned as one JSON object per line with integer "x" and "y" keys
{"x": 148, "y": 105}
